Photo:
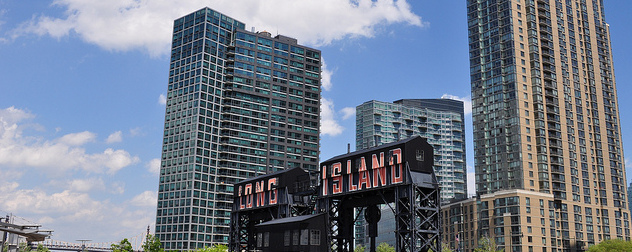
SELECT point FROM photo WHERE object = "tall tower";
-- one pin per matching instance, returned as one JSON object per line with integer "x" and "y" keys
{"x": 546, "y": 119}
{"x": 239, "y": 104}
{"x": 440, "y": 121}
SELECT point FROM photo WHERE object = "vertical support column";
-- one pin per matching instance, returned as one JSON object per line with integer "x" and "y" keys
{"x": 427, "y": 214}
{"x": 240, "y": 239}
{"x": 345, "y": 225}
{"x": 404, "y": 219}
{"x": 234, "y": 242}
{"x": 332, "y": 208}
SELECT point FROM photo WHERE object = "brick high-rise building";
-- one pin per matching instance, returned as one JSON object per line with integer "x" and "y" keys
{"x": 239, "y": 104}
{"x": 546, "y": 120}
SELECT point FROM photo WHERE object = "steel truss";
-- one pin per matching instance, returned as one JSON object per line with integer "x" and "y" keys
{"x": 417, "y": 218}
{"x": 417, "y": 209}
{"x": 242, "y": 230}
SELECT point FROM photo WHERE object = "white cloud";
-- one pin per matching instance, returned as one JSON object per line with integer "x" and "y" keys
{"x": 467, "y": 102}
{"x": 146, "y": 25}
{"x": 2, "y": 22}
{"x": 136, "y": 131}
{"x": 117, "y": 188}
{"x": 10, "y": 175}
{"x": 37, "y": 201}
{"x": 11, "y": 115}
{"x": 348, "y": 112}
{"x": 162, "y": 99}
{"x": 86, "y": 185}
{"x": 115, "y": 137}
{"x": 73, "y": 214}
{"x": 326, "y": 76}
{"x": 153, "y": 166}
{"x": 77, "y": 139}
{"x": 328, "y": 123}
{"x": 60, "y": 154}
{"x": 147, "y": 198}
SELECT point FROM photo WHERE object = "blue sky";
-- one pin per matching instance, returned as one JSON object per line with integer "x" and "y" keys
{"x": 83, "y": 83}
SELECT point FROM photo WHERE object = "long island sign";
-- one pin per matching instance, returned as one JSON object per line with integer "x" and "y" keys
{"x": 383, "y": 166}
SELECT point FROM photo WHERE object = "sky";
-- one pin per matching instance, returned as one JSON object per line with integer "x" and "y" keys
{"x": 83, "y": 84}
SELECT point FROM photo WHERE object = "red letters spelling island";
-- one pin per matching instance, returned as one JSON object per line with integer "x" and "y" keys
{"x": 354, "y": 174}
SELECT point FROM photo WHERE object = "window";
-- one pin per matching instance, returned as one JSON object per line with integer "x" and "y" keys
{"x": 304, "y": 237}
{"x": 266, "y": 239}
{"x": 295, "y": 237}
{"x": 286, "y": 238}
{"x": 315, "y": 237}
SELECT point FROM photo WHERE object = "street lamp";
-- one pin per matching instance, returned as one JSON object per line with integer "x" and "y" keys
{"x": 83, "y": 244}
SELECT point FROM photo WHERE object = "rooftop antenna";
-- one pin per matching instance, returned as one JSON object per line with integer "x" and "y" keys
{"x": 348, "y": 148}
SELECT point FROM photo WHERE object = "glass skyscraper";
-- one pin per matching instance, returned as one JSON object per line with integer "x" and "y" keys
{"x": 239, "y": 104}
{"x": 440, "y": 121}
{"x": 547, "y": 143}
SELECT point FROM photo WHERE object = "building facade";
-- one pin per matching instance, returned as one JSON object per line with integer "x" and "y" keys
{"x": 546, "y": 117}
{"x": 440, "y": 121}
{"x": 630, "y": 197}
{"x": 239, "y": 104}
{"x": 508, "y": 217}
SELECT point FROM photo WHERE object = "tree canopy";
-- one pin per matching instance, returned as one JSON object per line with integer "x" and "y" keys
{"x": 214, "y": 248}
{"x": 152, "y": 244}
{"x": 487, "y": 245}
{"x": 616, "y": 245}
{"x": 41, "y": 248}
{"x": 123, "y": 246}
{"x": 384, "y": 247}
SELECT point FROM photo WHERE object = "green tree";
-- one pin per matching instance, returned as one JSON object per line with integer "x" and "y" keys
{"x": 123, "y": 246}
{"x": 152, "y": 244}
{"x": 616, "y": 245}
{"x": 41, "y": 248}
{"x": 487, "y": 245}
{"x": 384, "y": 247}
{"x": 445, "y": 247}
{"x": 214, "y": 248}
{"x": 359, "y": 249}
{"x": 23, "y": 247}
